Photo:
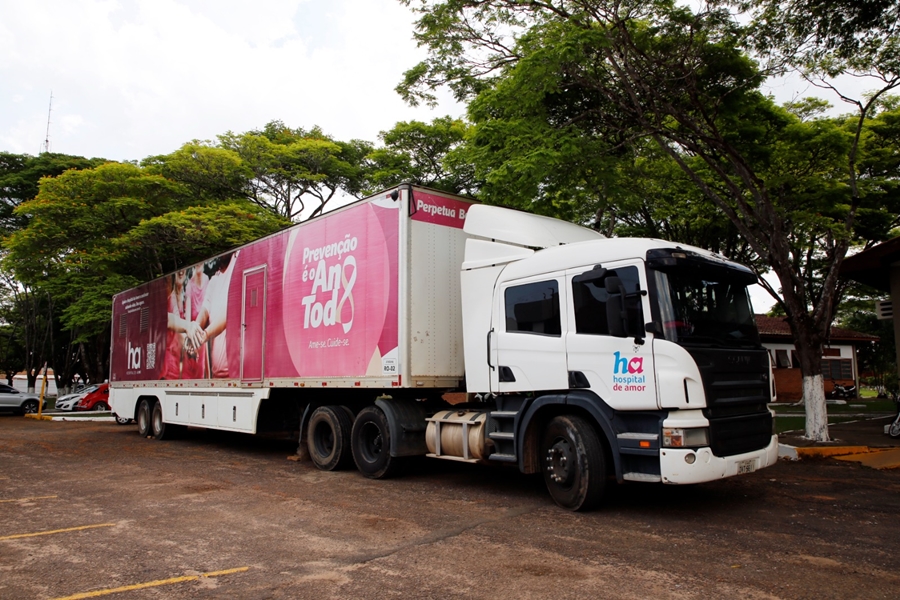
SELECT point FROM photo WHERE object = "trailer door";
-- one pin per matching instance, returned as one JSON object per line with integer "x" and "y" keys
{"x": 253, "y": 324}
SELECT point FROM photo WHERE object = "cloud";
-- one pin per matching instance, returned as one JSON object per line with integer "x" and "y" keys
{"x": 140, "y": 77}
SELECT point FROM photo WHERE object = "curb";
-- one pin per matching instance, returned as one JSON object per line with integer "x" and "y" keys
{"x": 799, "y": 452}
{"x": 76, "y": 419}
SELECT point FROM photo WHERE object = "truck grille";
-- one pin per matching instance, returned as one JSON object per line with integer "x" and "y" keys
{"x": 736, "y": 434}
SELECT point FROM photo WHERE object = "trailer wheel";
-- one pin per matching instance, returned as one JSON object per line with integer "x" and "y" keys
{"x": 328, "y": 438}
{"x": 143, "y": 418}
{"x": 371, "y": 442}
{"x": 161, "y": 430}
{"x": 573, "y": 463}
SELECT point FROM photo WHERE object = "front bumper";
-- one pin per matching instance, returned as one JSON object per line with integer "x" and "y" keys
{"x": 675, "y": 468}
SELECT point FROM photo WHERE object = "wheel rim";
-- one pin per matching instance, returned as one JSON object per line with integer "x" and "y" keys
{"x": 560, "y": 457}
{"x": 323, "y": 439}
{"x": 157, "y": 421}
{"x": 30, "y": 408}
{"x": 372, "y": 442}
{"x": 143, "y": 417}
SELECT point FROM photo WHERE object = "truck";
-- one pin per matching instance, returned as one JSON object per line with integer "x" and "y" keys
{"x": 419, "y": 323}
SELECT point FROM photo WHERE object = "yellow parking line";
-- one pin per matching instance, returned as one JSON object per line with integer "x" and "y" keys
{"x": 27, "y": 499}
{"x": 27, "y": 535}
{"x": 157, "y": 583}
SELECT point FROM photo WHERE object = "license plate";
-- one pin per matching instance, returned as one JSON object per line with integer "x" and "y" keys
{"x": 746, "y": 466}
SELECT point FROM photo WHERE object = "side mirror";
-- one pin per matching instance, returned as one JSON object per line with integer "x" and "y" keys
{"x": 616, "y": 315}
{"x": 594, "y": 274}
{"x": 617, "y": 306}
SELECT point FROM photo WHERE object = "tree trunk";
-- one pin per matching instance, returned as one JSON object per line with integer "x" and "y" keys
{"x": 808, "y": 344}
{"x": 816, "y": 413}
{"x": 31, "y": 374}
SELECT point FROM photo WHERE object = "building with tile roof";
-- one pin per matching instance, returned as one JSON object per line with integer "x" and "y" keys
{"x": 839, "y": 363}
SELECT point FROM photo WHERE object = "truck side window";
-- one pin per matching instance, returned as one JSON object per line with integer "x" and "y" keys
{"x": 533, "y": 308}
{"x": 589, "y": 301}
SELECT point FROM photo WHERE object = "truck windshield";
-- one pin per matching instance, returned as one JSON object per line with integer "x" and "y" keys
{"x": 700, "y": 308}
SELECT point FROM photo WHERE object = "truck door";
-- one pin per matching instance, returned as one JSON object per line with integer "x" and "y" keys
{"x": 618, "y": 369}
{"x": 253, "y": 323}
{"x": 530, "y": 348}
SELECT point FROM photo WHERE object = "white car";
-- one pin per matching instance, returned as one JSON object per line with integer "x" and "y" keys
{"x": 69, "y": 401}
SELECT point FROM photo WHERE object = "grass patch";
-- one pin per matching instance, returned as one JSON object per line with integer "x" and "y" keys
{"x": 856, "y": 407}
{"x": 798, "y": 423}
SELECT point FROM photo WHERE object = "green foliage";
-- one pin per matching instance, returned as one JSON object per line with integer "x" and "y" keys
{"x": 208, "y": 173}
{"x": 95, "y": 232}
{"x": 19, "y": 177}
{"x": 590, "y": 103}
{"x": 168, "y": 242}
{"x": 879, "y": 359}
{"x": 295, "y": 173}
{"x": 423, "y": 154}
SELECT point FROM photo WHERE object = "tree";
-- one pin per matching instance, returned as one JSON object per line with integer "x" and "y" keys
{"x": 96, "y": 232}
{"x": 168, "y": 242}
{"x": 878, "y": 359}
{"x": 295, "y": 173}
{"x": 423, "y": 154}
{"x": 208, "y": 172}
{"x": 623, "y": 72}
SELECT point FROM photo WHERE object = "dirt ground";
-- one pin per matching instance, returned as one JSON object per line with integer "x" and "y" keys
{"x": 86, "y": 508}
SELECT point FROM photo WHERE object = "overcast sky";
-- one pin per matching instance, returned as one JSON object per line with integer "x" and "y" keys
{"x": 134, "y": 78}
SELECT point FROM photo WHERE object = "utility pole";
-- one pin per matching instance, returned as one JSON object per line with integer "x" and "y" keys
{"x": 46, "y": 145}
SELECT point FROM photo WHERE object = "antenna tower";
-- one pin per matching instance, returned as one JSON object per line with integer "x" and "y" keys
{"x": 46, "y": 146}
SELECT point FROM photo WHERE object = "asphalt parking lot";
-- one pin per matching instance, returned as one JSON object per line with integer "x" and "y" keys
{"x": 91, "y": 510}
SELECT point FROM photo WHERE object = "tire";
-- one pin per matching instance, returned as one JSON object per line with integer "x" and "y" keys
{"x": 29, "y": 407}
{"x": 371, "y": 443}
{"x": 159, "y": 428}
{"x": 894, "y": 430}
{"x": 328, "y": 438}
{"x": 101, "y": 406}
{"x": 573, "y": 463}
{"x": 143, "y": 418}
{"x": 121, "y": 420}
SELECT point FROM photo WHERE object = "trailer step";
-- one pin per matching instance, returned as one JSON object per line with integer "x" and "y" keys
{"x": 510, "y": 458}
{"x": 644, "y": 477}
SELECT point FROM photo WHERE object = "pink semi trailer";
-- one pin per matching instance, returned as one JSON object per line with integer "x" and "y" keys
{"x": 417, "y": 323}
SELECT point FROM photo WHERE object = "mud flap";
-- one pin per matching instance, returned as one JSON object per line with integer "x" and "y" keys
{"x": 407, "y": 422}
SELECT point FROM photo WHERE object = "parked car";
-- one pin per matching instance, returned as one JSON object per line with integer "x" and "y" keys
{"x": 16, "y": 401}
{"x": 69, "y": 401}
{"x": 95, "y": 400}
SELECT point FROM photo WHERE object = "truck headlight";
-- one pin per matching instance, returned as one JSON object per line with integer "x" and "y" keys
{"x": 678, "y": 437}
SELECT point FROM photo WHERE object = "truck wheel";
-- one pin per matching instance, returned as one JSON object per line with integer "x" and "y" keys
{"x": 160, "y": 429}
{"x": 29, "y": 407}
{"x": 371, "y": 442}
{"x": 143, "y": 418}
{"x": 573, "y": 463}
{"x": 328, "y": 438}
